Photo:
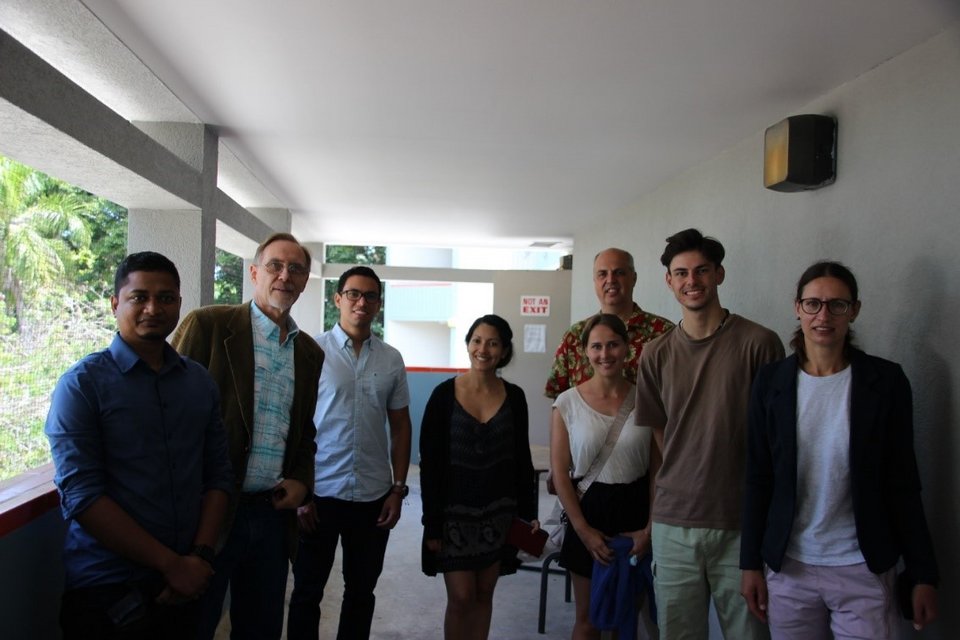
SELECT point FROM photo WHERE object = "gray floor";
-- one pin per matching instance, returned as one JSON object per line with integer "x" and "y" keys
{"x": 410, "y": 605}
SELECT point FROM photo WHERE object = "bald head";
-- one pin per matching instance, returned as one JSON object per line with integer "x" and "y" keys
{"x": 613, "y": 280}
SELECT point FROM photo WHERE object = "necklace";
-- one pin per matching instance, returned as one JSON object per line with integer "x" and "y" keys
{"x": 726, "y": 314}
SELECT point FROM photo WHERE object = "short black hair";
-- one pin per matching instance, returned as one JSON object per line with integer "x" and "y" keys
{"x": 692, "y": 240}
{"x": 143, "y": 261}
{"x": 366, "y": 272}
{"x": 503, "y": 330}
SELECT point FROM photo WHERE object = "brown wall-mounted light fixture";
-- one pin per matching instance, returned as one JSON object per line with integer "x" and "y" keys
{"x": 800, "y": 153}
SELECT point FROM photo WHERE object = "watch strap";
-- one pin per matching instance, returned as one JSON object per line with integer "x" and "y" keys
{"x": 205, "y": 552}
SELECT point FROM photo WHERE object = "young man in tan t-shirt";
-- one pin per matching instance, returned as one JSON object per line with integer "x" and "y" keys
{"x": 693, "y": 386}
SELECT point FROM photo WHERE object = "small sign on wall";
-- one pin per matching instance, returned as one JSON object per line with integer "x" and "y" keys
{"x": 535, "y": 306}
{"x": 534, "y": 338}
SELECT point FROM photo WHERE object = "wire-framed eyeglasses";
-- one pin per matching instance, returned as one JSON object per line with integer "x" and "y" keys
{"x": 295, "y": 270}
{"x": 836, "y": 306}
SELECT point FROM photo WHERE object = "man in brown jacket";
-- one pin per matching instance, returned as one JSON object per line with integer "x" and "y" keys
{"x": 267, "y": 371}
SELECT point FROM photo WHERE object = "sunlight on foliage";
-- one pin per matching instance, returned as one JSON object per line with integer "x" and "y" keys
{"x": 59, "y": 248}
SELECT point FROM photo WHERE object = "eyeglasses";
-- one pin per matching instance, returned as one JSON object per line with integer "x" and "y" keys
{"x": 355, "y": 294}
{"x": 836, "y": 306}
{"x": 295, "y": 270}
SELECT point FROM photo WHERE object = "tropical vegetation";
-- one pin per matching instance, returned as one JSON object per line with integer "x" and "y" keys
{"x": 348, "y": 254}
{"x": 59, "y": 249}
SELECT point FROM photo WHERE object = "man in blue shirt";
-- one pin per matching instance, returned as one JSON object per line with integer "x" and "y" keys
{"x": 142, "y": 469}
{"x": 360, "y": 478}
{"x": 267, "y": 371}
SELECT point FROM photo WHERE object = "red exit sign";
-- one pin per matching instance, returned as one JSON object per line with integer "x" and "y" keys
{"x": 535, "y": 305}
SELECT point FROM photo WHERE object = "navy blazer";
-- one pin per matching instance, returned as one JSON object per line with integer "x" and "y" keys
{"x": 883, "y": 469}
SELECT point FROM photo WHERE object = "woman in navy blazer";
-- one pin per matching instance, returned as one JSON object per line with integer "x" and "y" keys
{"x": 832, "y": 497}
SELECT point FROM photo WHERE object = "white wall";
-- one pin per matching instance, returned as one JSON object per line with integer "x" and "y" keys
{"x": 423, "y": 344}
{"x": 893, "y": 216}
{"x": 527, "y": 369}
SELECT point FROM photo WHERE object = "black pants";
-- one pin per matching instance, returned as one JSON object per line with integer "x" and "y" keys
{"x": 124, "y": 611}
{"x": 354, "y": 524}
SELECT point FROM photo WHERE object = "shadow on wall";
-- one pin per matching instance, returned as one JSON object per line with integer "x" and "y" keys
{"x": 935, "y": 438}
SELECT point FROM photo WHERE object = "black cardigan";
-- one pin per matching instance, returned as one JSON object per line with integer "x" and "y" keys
{"x": 435, "y": 456}
{"x": 888, "y": 512}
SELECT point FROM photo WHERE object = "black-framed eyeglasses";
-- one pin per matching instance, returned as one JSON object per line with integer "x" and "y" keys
{"x": 836, "y": 306}
{"x": 294, "y": 269}
{"x": 355, "y": 294}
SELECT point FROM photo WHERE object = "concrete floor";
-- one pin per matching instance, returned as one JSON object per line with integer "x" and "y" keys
{"x": 410, "y": 605}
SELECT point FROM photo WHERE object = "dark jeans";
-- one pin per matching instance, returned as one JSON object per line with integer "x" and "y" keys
{"x": 254, "y": 563}
{"x": 363, "y": 542}
{"x": 124, "y": 612}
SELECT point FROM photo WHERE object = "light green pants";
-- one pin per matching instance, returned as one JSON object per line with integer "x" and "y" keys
{"x": 689, "y": 567}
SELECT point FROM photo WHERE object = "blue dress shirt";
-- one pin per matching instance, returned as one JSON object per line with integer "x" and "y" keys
{"x": 151, "y": 441}
{"x": 353, "y": 447}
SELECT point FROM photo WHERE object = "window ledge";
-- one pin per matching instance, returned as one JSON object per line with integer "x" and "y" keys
{"x": 26, "y": 497}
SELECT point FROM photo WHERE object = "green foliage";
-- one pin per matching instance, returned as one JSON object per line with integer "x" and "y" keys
{"x": 55, "y": 332}
{"x": 96, "y": 267}
{"x": 228, "y": 278}
{"x": 59, "y": 248}
{"x": 346, "y": 254}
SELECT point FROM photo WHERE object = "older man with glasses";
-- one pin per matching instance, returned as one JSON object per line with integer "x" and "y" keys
{"x": 361, "y": 470}
{"x": 267, "y": 371}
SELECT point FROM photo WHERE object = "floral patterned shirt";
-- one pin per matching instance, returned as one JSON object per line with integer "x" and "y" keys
{"x": 571, "y": 366}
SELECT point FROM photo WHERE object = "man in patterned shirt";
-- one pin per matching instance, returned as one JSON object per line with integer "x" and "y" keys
{"x": 614, "y": 279}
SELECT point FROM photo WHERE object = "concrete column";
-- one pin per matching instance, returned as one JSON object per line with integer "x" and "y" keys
{"x": 177, "y": 235}
{"x": 183, "y": 139}
{"x": 308, "y": 312}
{"x": 247, "y": 282}
{"x": 186, "y": 237}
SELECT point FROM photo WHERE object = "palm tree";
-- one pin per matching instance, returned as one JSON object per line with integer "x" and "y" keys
{"x": 43, "y": 222}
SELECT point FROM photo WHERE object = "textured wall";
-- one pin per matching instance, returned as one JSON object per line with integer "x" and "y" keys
{"x": 892, "y": 216}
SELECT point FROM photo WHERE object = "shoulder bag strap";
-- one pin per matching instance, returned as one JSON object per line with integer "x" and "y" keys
{"x": 604, "y": 454}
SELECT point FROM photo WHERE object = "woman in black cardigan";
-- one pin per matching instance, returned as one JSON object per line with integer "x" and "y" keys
{"x": 832, "y": 498}
{"x": 476, "y": 476}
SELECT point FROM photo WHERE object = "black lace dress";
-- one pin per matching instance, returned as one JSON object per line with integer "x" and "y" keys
{"x": 480, "y": 492}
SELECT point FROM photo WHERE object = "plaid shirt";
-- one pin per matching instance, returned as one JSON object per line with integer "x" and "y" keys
{"x": 273, "y": 397}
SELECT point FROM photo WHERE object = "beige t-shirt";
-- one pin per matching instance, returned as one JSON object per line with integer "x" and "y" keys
{"x": 698, "y": 390}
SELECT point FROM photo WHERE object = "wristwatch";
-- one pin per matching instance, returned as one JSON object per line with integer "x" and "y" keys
{"x": 204, "y": 552}
{"x": 400, "y": 489}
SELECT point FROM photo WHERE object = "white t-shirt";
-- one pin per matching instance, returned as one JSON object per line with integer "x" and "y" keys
{"x": 824, "y": 531}
{"x": 587, "y": 430}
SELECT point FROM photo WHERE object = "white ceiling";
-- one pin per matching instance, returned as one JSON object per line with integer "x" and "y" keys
{"x": 486, "y": 122}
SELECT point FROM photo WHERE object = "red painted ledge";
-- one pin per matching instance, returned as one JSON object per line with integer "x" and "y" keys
{"x": 26, "y": 497}
{"x": 435, "y": 370}
{"x": 31, "y": 494}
